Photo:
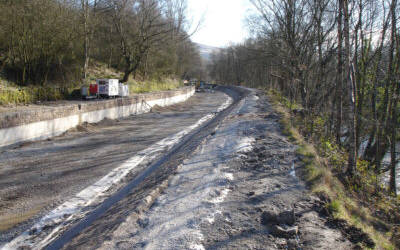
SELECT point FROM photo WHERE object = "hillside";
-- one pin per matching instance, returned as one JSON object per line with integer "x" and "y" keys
{"x": 206, "y": 51}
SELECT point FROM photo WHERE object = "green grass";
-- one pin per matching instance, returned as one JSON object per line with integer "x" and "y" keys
{"x": 334, "y": 206}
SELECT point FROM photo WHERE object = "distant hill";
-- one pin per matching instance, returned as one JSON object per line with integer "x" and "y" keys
{"x": 206, "y": 51}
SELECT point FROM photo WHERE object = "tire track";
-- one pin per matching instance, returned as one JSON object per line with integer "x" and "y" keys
{"x": 174, "y": 155}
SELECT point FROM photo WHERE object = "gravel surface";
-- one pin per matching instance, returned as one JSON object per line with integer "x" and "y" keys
{"x": 193, "y": 197}
{"x": 36, "y": 177}
{"x": 232, "y": 186}
{"x": 268, "y": 207}
{"x": 238, "y": 190}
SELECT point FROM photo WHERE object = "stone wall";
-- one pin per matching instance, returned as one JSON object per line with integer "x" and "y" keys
{"x": 49, "y": 121}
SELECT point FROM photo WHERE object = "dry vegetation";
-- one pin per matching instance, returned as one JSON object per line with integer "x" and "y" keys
{"x": 340, "y": 61}
{"x": 357, "y": 204}
{"x": 335, "y": 67}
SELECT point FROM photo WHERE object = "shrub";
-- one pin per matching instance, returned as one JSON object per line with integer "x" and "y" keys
{"x": 27, "y": 95}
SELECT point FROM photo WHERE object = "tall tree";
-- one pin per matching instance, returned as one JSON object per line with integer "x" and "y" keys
{"x": 351, "y": 88}
{"x": 339, "y": 76}
{"x": 395, "y": 97}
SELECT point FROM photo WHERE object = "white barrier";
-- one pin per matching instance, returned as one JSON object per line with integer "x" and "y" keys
{"x": 46, "y": 129}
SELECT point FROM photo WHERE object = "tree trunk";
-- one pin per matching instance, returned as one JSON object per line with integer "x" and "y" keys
{"x": 372, "y": 151}
{"x": 110, "y": 47}
{"x": 359, "y": 74}
{"x": 393, "y": 160}
{"x": 395, "y": 96}
{"x": 352, "y": 161}
{"x": 85, "y": 10}
{"x": 131, "y": 69}
{"x": 128, "y": 71}
{"x": 339, "y": 79}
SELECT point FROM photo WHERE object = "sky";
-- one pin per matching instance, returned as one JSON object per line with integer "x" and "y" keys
{"x": 223, "y": 21}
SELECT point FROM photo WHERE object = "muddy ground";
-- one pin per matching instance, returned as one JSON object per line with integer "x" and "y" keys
{"x": 234, "y": 186}
{"x": 36, "y": 177}
{"x": 269, "y": 207}
{"x": 237, "y": 190}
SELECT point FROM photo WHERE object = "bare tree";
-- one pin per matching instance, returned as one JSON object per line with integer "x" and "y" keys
{"x": 392, "y": 71}
{"x": 298, "y": 52}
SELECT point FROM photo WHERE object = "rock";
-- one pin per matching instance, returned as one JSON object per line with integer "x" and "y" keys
{"x": 292, "y": 244}
{"x": 292, "y": 231}
{"x": 252, "y": 160}
{"x": 261, "y": 155}
{"x": 281, "y": 232}
{"x": 269, "y": 217}
{"x": 267, "y": 167}
{"x": 323, "y": 197}
{"x": 257, "y": 150}
{"x": 251, "y": 193}
{"x": 287, "y": 217}
{"x": 257, "y": 166}
{"x": 143, "y": 222}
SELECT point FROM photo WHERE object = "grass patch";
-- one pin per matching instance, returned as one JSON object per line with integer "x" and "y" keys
{"x": 335, "y": 207}
{"x": 321, "y": 165}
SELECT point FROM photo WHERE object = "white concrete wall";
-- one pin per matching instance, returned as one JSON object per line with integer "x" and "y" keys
{"x": 46, "y": 129}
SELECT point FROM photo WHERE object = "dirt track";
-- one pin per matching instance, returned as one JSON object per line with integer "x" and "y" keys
{"x": 36, "y": 177}
{"x": 232, "y": 186}
{"x": 226, "y": 194}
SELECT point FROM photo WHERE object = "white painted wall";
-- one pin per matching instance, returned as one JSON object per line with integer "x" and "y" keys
{"x": 46, "y": 129}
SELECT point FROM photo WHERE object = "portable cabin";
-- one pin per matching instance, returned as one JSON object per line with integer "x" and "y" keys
{"x": 108, "y": 87}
